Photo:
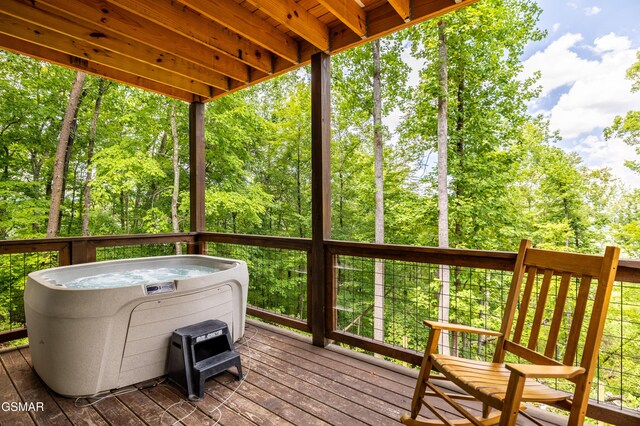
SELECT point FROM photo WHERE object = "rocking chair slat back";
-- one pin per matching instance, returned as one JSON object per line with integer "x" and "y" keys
{"x": 544, "y": 269}
{"x": 540, "y": 305}
{"x": 578, "y": 318}
{"x": 558, "y": 315}
{"x": 524, "y": 303}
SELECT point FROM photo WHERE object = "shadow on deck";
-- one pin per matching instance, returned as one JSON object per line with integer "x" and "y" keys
{"x": 289, "y": 381}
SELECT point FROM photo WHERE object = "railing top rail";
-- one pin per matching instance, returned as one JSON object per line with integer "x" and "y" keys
{"x": 291, "y": 243}
{"x": 170, "y": 237}
{"x": 628, "y": 269}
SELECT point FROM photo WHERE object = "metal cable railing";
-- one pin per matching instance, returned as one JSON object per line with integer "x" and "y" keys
{"x": 476, "y": 297}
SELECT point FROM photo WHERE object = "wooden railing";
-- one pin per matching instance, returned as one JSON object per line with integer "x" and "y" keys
{"x": 75, "y": 250}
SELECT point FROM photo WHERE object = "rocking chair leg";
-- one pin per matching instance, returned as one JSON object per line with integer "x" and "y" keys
{"x": 425, "y": 372}
{"x": 486, "y": 410}
{"x": 511, "y": 406}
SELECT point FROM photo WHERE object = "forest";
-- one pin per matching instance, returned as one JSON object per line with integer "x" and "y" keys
{"x": 507, "y": 177}
{"x": 125, "y": 167}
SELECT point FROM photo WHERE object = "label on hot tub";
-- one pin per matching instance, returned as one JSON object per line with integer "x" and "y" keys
{"x": 160, "y": 287}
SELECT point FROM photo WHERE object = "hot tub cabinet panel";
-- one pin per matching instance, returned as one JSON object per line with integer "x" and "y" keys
{"x": 86, "y": 341}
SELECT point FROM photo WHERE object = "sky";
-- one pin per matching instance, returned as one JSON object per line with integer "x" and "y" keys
{"x": 583, "y": 61}
{"x": 590, "y": 44}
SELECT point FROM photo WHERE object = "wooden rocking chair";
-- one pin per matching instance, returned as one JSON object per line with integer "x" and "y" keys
{"x": 503, "y": 386}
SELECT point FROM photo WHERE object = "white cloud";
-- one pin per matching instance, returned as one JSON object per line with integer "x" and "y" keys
{"x": 590, "y": 11}
{"x": 611, "y": 42}
{"x": 596, "y": 152}
{"x": 593, "y": 91}
{"x": 597, "y": 88}
{"x": 559, "y": 65}
{"x": 555, "y": 27}
{"x": 572, "y": 5}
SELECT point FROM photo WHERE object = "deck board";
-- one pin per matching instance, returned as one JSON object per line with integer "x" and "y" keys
{"x": 288, "y": 382}
{"x": 30, "y": 388}
{"x": 77, "y": 414}
{"x": 9, "y": 393}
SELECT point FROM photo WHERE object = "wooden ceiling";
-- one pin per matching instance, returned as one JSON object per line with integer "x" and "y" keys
{"x": 199, "y": 50}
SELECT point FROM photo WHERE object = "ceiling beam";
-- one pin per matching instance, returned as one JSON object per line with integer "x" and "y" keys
{"x": 385, "y": 20}
{"x": 42, "y": 36}
{"x": 349, "y": 13}
{"x": 178, "y": 19}
{"x": 55, "y": 20}
{"x": 245, "y": 23}
{"x": 382, "y": 20}
{"x": 297, "y": 19}
{"x": 23, "y": 47}
{"x": 106, "y": 16}
{"x": 403, "y": 7}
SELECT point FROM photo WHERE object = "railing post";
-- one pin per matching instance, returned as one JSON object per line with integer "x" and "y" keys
{"x": 196, "y": 172}
{"x": 82, "y": 251}
{"x": 320, "y": 191}
{"x": 197, "y": 246}
{"x": 64, "y": 255}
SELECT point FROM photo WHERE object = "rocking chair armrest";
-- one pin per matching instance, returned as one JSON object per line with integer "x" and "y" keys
{"x": 545, "y": 371}
{"x": 435, "y": 325}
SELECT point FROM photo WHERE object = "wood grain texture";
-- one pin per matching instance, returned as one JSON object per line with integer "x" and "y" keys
{"x": 349, "y": 13}
{"x": 248, "y": 25}
{"x": 81, "y": 30}
{"x": 196, "y": 167}
{"x": 177, "y": 19}
{"x": 105, "y": 16}
{"x": 58, "y": 41}
{"x": 290, "y": 381}
{"x": 297, "y": 19}
{"x": 403, "y": 8}
{"x": 47, "y": 54}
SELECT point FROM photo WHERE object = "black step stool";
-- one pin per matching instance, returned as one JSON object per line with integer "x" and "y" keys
{"x": 198, "y": 352}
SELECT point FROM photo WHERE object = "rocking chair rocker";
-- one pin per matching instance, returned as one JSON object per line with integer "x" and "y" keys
{"x": 504, "y": 387}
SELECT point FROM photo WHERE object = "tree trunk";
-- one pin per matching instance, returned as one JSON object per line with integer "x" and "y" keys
{"x": 378, "y": 310}
{"x": 67, "y": 157}
{"x": 443, "y": 195}
{"x": 458, "y": 188}
{"x": 73, "y": 199}
{"x": 58, "y": 165}
{"x": 103, "y": 85}
{"x": 176, "y": 176}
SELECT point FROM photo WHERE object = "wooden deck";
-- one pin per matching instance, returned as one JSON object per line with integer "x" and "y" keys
{"x": 289, "y": 381}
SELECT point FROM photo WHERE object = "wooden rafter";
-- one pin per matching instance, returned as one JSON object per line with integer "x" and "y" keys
{"x": 245, "y": 23}
{"x": 183, "y": 21}
{"x": 297, "y": 19}
{"x": 106, "y": 16}
{"x": 385, "y": 20}
{"x": 199, "y": 50}
{"x": 349, "y": 13}
{"x": 52, "y": 19}
{"x": 53, "y": 56}
{"x": 403, "y": 7}
{"x": 57, "y": 41}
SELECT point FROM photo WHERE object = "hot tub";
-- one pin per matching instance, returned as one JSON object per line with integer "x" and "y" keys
{"x": 100, "y": 326}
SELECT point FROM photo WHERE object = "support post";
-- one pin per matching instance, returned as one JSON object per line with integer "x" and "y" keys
{"x": 320, "y": 193}
{"x": 196, "y": 171}
{"x": 82, "y": 251}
